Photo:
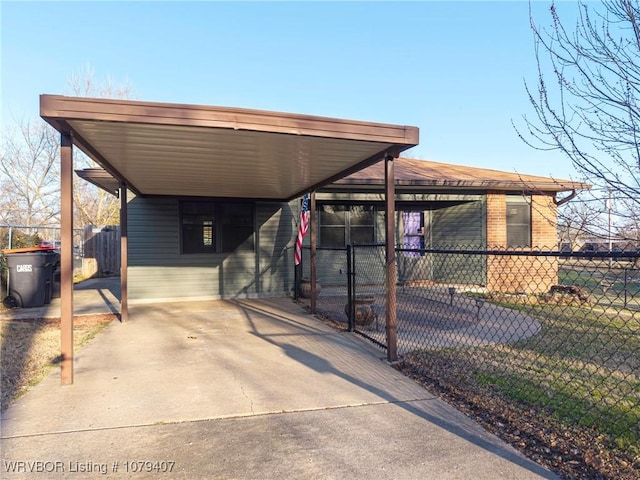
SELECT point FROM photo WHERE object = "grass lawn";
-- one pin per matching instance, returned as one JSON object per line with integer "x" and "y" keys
{"x": 569, "y": 397}
{"x": 616, "y": 286}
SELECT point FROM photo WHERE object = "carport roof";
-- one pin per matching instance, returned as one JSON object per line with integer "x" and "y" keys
{"x": 194, "y": 150}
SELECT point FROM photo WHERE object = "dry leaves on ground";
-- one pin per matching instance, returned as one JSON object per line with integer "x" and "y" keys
{"x": 30, "y": 347}
{"x": 572, "y": 452}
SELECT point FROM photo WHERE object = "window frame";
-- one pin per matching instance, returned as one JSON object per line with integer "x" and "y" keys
{"x": 511, "y": 225}
{"x": 348, "y": 225}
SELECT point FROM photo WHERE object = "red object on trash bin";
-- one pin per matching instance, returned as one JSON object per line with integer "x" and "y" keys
{"x": 27, "y": 249}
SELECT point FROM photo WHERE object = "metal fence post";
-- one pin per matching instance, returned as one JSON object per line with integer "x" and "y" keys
{"x": 625, "y": 287}
{"x": 350, "y": 288}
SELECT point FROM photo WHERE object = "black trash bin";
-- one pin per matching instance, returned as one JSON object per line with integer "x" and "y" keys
{"x": 55, "y": 284}
{"x": 52, "y": 267}
{"x": 31, "y": 277}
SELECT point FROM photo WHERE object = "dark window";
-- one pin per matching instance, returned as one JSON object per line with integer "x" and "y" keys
{"x": 237, "y": 227}
{"x": 214, "y": 227}
{"x": 518, "y": 223}
{"x": 341, "y": 225}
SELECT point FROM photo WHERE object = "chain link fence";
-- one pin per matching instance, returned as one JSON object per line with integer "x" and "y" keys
{"x": 20, "y": 236}
{"x": 554, "y": 336}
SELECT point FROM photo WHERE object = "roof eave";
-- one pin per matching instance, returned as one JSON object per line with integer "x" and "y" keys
{"x": 470, "y": 185}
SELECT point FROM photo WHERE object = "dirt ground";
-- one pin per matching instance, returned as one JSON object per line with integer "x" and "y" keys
{"x": 31, "y": 347}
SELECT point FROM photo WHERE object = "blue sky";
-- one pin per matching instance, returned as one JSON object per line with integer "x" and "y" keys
{"x": 456, "y": 70}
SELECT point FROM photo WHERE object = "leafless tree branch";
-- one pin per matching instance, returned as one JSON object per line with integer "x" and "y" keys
{"x": 586, "y": 98}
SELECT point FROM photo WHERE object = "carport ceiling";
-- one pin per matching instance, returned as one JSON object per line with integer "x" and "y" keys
{"x": 192, "y": 150}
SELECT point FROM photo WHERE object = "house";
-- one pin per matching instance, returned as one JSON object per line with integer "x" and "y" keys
{"x": 223, "y": 226}
{"x": 186, "y": 248}
{"x": 208, "y": 193}
{"x": 444, "y": 206}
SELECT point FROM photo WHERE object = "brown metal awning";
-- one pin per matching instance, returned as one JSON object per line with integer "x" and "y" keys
{"x": 192, "y": 150}
{"x": 100, "y": 178}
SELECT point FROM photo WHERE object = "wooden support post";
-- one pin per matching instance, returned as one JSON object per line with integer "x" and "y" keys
{"x": 312, "y": 263}
{"x": 390, "y": 245}
{"x": 124, "y": 264}
{"x": 66, "y": 259}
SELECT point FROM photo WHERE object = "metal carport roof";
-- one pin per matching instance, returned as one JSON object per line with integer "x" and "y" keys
{"x": 194, "y": 150}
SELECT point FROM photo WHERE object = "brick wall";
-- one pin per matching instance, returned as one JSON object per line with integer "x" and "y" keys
{"x": 516, "y": 273}
{"x": 544, "y": 220}
{"x": 496, "y": 220}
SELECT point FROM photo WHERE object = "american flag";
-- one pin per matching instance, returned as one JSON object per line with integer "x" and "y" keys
{"x": 304, "y": 226}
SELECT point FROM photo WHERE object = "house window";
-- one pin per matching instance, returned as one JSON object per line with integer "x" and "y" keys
{"x": 518, "y": 223}
{"x": 237, "y": 227}
{"x": 342, "y": 225}
{"x": 216, "y": 227}
{"x": 413, "y": 223}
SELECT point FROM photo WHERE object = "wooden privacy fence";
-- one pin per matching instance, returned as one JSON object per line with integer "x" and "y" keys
{"x": 101, "y": 251}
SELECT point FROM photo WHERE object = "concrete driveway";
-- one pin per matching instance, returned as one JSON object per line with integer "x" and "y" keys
{"x": 242, "y": 390}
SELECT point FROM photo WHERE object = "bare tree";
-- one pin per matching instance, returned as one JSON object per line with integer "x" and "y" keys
{"x": 82, "y": 83}
{"x": 94, "y": 206}
{"x": 30, "y": 175}
{"x": 29, "y": 185}
{"x": 589, "y": 109}
{"x": 629, "y": 231}
{"x": 30, "y": 181}
{"x": 579, "y": 221}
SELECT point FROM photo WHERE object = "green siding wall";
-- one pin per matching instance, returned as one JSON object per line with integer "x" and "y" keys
{"x": 459, "y": 227}
{"x": 331, "y": 266}
{"x": 276, "y": 233}
{"x": 455, "y": 226}
{"x": 157, "y": 269}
